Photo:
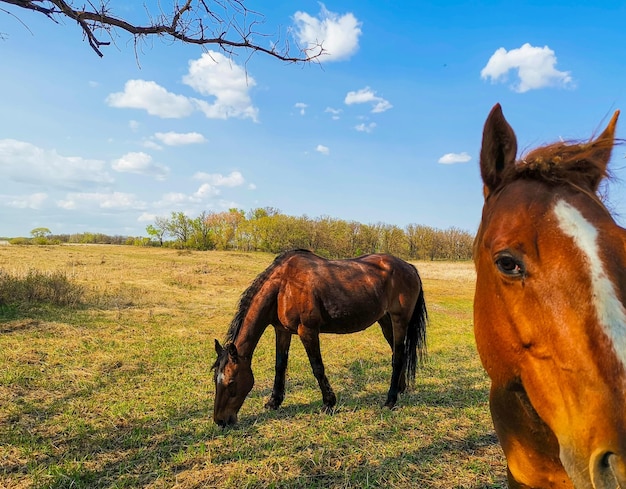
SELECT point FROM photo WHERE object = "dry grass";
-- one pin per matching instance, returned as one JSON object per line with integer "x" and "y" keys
{"x": 118, "y": 393}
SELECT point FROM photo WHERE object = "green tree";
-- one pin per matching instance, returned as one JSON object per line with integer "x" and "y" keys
{"x": 420, "y": 241}
{"x": 225, "y": 228}
{"x": 156, "y": 232}
{"x": 202, "y": 231}
{"x": 41, "y": 236}
{"x": 180, "y": 227}
{"x": 40, "y": 233}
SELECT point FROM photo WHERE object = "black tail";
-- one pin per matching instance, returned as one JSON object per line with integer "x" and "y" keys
{"x": 415, "y": 343}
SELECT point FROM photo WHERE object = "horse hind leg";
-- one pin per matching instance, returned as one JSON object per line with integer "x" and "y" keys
{"x": 311, "y": 341}
{"x": 398, "y": 360}
{"x": 386, "y": 325}
{"x": 283, "y": 342}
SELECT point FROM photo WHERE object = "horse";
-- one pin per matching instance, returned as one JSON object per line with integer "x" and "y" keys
{"x": 549, "y": 310}
{"x": 303, "y": 294}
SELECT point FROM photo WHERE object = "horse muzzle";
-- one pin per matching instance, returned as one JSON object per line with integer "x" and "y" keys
{"x": 607, "y": 470}
{"x": 227, "y": 421}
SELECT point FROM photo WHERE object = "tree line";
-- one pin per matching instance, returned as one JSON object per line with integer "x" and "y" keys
{"x": 267, "y": 229}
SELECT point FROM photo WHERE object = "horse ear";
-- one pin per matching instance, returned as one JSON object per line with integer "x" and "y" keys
{"x": 232, "y": 352}
{"x": 498, "y": 150}
{"x": 602, "y": 147}
{"x": 218, "y": 348}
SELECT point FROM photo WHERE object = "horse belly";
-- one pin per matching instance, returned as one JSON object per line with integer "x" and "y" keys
{"x": 329, "y": 311}
{"x": 350, "y": 323}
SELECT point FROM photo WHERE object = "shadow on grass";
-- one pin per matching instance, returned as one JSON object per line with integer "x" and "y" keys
{"x": 142, "y": 451}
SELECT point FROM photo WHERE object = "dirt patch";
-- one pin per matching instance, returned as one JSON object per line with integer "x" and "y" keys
{"x": 19, "y": 325}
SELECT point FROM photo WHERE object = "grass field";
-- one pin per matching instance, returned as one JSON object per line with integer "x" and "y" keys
{"x": 118, "y": 392}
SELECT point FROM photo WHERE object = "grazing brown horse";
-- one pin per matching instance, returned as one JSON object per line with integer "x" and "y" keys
{"x": 549, "y": 311}
{"x": 304, "y": 294}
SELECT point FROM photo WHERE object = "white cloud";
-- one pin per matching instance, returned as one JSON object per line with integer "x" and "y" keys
{"x": 140, "y": 163}
{"x": 368, "y": 96}
{"x": 101, "y": 200}
{"x": 133, "y": 125}
{"x": 156, "y": 100}
{"x": 534, "y": 65}
{"x": 147, "y": 217}
{"x": 150, "y": 144}
{"x": 212, "y": 183}
{"x": 178, "y": 139}
{"x": 325, "y": 150}
{"x": 32, "y": 201}
{"x": 337, "y": 34}
{"x": 381, "y": 106}
{"x": 334, "y": 112}
{"x": 234, "y": 179}
{"x": 206, "y": 190}
{"x": 173, "y": 198}
{"x": 301, "y": 106}
{"x": 451, "y": 158}
{"x": 24, "y": 162}
{"x": 365, "y": 127}
{"x": 215, "y": 75}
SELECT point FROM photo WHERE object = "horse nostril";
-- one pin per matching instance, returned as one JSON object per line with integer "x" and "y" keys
{"x": 608, "y": 470}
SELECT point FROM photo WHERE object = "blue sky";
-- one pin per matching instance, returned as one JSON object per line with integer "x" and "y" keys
{"x": 386, "y": 128}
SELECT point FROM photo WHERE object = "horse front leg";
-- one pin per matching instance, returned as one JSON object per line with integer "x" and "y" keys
{"x": 283, "y": 341}
{"x": 311, "y": 341}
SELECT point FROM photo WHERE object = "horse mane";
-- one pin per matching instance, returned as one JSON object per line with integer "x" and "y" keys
{"x": 248, "y": 295}
{"x": 576, "y": 163}
{"x": 558, "y": 162}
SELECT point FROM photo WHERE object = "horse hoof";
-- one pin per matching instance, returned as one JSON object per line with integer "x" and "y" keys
{"x": 389, "y": 405}
{"x": 272, "y": 404}
{"x": 328, "y": 409}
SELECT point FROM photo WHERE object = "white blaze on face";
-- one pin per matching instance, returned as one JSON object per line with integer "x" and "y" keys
{"x": 609, "y": 309}
{"x": 220, "y": 378}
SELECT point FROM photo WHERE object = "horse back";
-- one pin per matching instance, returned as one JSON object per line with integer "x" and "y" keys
{"x": 343, "y": 296}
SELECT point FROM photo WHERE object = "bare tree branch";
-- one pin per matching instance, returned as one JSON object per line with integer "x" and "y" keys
{"x": 227, "y": 24}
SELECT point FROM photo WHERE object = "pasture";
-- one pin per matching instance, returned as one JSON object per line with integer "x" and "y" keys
{"x": 118, "y": 392}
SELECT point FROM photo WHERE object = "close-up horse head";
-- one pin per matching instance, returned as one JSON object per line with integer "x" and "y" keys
{"x": 549, "y": 316}
{"x": 233, "y": 381}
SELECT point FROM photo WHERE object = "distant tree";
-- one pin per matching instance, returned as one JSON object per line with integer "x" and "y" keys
{"x": 180, "y": 227}
{"x": 227, "y": 24}
{"x": 261, "y": 212}
{"x": 155, "y": 231}
{"x": 40, "y": 233}
{"x": 457, "y": 244}
{"x": 202, "y": 231}
{"x": 420, "y": 241}
{"x": 267, "y": 229}
{"x": 225, "y": 228}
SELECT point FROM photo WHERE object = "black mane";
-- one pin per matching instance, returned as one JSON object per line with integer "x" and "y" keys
{"x": 252, "y": 290}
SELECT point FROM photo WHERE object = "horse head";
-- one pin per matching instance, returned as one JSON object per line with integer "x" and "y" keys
{"x": 233, "y": 381}
{"x": 549, "y": 315}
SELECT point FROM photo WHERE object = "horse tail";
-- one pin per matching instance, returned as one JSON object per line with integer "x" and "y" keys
{"x": 415, "y": 342}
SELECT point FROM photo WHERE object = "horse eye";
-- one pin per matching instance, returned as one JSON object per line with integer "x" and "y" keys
{"x": 509, "y": 265}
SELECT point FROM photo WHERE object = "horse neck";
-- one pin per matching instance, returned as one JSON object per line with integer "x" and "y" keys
{"x": 256, "y": 319}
